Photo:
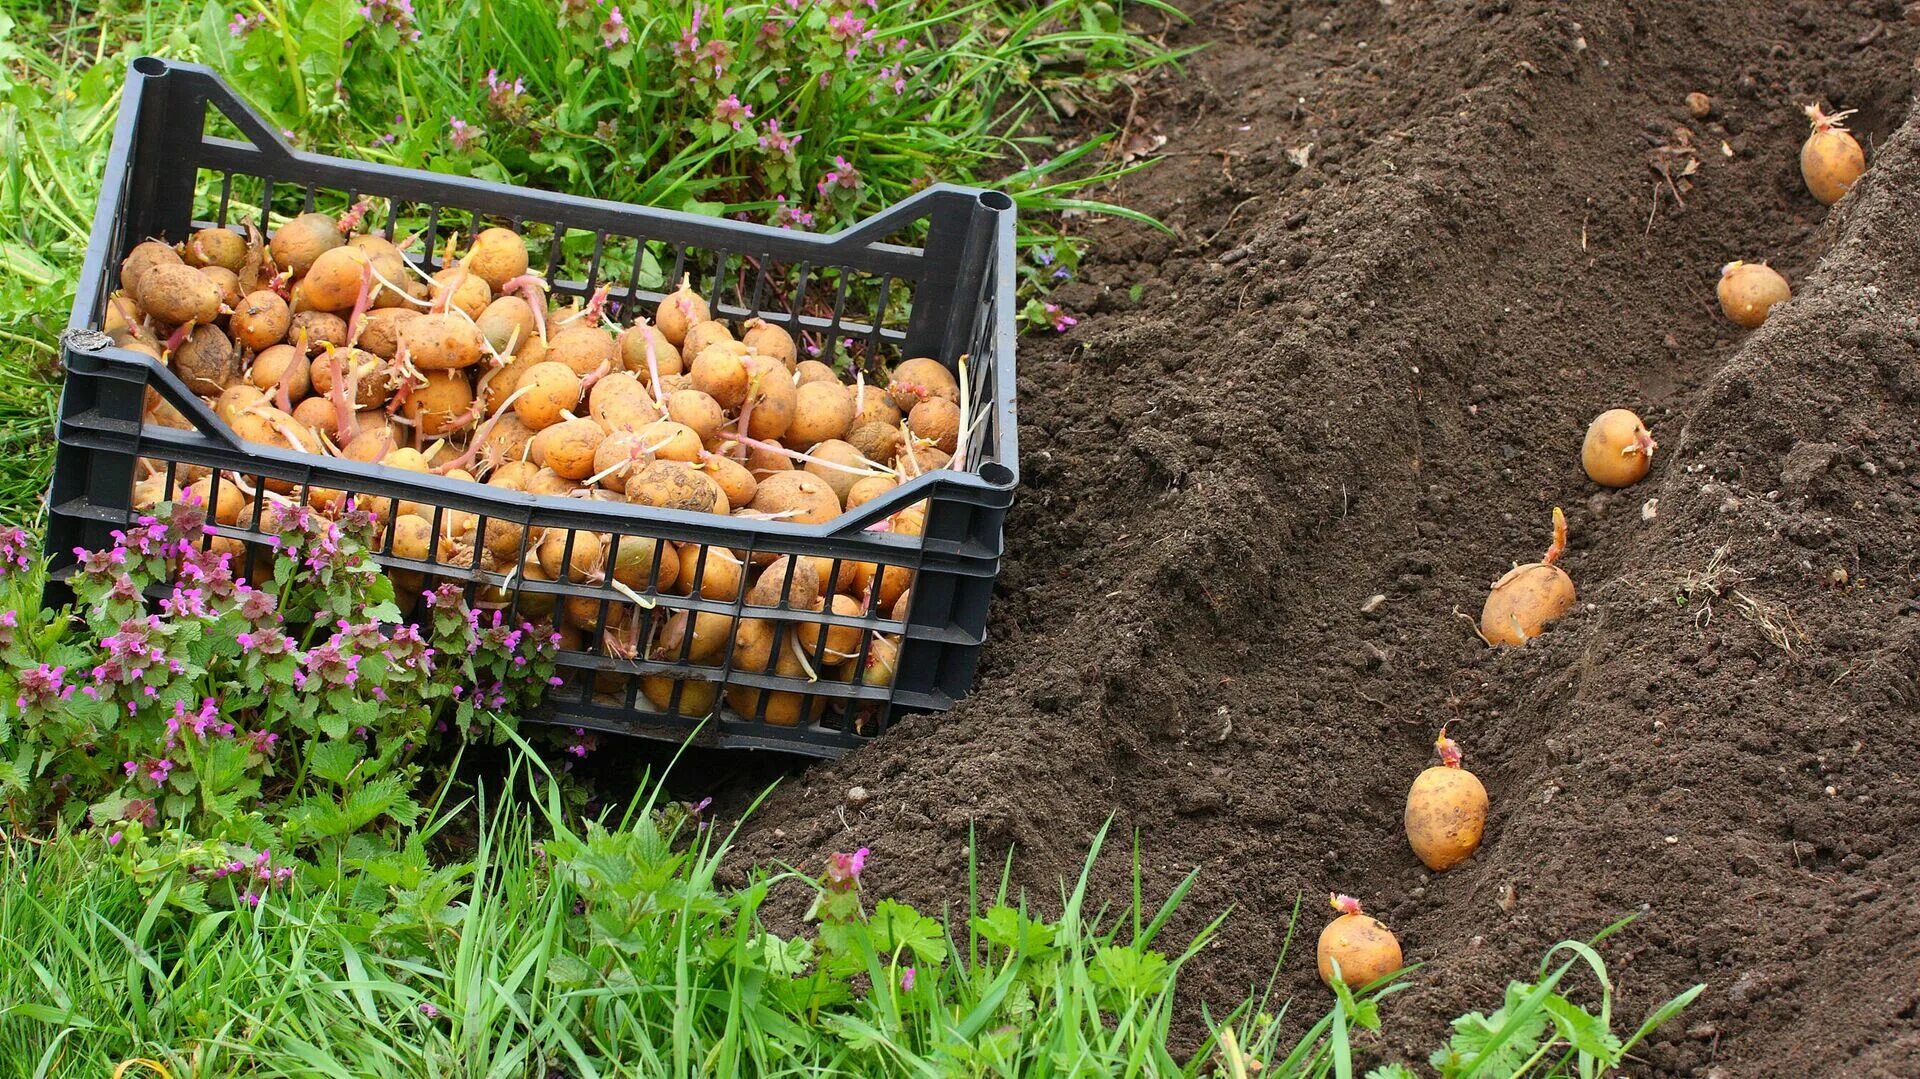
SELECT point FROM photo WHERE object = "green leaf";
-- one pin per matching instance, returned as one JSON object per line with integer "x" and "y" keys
{"x": 897, "y": 927}
{"x": 1392, "y": 1071}
{"x": 334, "y": 761}
{"x": 387, "y": 612}
{"x": 1585, "y": 1032}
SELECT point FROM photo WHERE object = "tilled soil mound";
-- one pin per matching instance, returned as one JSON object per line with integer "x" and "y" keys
{"x": 1417, "y": 247}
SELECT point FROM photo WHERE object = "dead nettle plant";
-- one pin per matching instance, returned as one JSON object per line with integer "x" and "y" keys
{"x": 237, "y": 727}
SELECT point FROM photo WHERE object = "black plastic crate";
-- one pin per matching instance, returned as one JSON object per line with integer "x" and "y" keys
{"x": 932, "y": 276}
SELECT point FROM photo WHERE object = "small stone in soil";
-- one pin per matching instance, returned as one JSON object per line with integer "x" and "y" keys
{"x": 1374, "y": 603}
{"x": 858, "y": 796}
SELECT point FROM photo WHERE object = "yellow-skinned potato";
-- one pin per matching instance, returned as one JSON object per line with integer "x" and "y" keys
{"x": 676, "y": 485}
{"x": 821, "y": 411}
{"x": 1831, "y": 158}
{"x": 719, "y": 577}
{"x": 434, "y": 406}
{"x": 546, "y": 390}
{"x": 1748, "y": 291}
{"x": 867, "y": 488}
{"x": 225, "y": 505}
{"x": 800, "y": 593}
{"x": 468, "y": 291}
{"x": 839, "y": 479}
{"x": 141, "y": 260}
{"x": 696, "y": 696}
{"x": 582, "y": 563}
{"x": 568, "y": 447}
{"x": 412, "y": 537}
{"x": 771, "y": 341}
{"x": 317, "y": 413}
{"x": 670, "y": 441}
{"x": 703, "y": 635}
{"x": 733, "y": 478}
{"x": 783, "y": 709}
{"x": 1618, "y": 449}
{"x": 236, "y": 399}
{"x": 498, "y": 255}
{"x": 698, "y": 411}
{"x": 260, "y": 320}
{"x": 175, "y": 293}
{"x": 1530, "y": 596}
{"x": 633, "y": 563}
{"x": 815, "y": 371}
{"x": 937, "y": 420}
{"x": 634, "y": 342}
{"x": 316, "y": 330}
{"x": 206, "y": 361}
{"x": 1365, "y": 950}
{"x": 1446, "y": 810}
{"x": 371, "y": 379}
{"x": 227, "y": 282}
{"x": 548, "y": 483}
{"x": 917, "y": 379}
{"x": 679, "y": 311}
{"x": 618, "y": 456}
{"x": 770, "y": 398}
{"x": 216, "y": 246}
{"x": 720, "y": 372}
{"x": 442, "y": 342}
{"x": 807, "y": 495}
{"x": 507, "y": 323}
{"x": 299, "y": 242}
{"x": 584, "y": 348}
{"x": 333, "y": 282}
{"x": 877, "y": 441}
{"x": 380, "y": 330}
{"x": 702, "y": 334}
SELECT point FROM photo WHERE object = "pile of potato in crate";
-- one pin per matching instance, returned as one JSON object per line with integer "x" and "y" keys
{"x": 329, "y": 340}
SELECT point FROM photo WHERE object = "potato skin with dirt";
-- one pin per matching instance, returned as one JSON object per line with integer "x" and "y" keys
{"x": 1364, "y": 948}
{"x": 1524, "y": 601}
{"x": 1445, "y": 817}
{"x": 1748, "y": 291}
{"x": 1618, "y": 449}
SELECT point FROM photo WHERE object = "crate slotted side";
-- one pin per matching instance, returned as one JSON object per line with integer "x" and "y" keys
{"x": 932, "y": 276}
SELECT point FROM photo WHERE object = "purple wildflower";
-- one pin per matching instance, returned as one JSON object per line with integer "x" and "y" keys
{"x": 613, "y": 32}
{"x": 1062, "y": 322}
{"x": 463, "y": 133}
{"x": 429, "y": 1010}
{"x": 395, "y": 13}
{"x": 774, "y": 142}
{"x": 843, "y": 870}
{"x": 906, "y": 980}
{"x": 114, "y": 839}
{"x": 730, "y": 110}
{"x": 843, "y": 176}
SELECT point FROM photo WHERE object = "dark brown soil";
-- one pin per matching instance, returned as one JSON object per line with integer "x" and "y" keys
{"x": 1370, "y": 375}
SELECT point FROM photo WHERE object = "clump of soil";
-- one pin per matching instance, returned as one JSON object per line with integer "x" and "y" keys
{"x": 1417, "y": 248}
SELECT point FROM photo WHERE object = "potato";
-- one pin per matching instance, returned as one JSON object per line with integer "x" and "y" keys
{"x": 227, "y": 282}
{"x": 388, "y": 262}
{"x": 883, "y": 662}
{"x": 551, "y": 484}
{"x": 718, "y": 571}
{"x": 815, "y": 371}
{"x": 771, "y": 341}
{"x": 827, "y": 645}
{"x": 733, "y": 478}
{"x": 754, "y": 640}
{"x": 1831, "y": 159}
{"x": 546, "y": 390}
{"x": 299, "y": 242}
{"x": 617, "y": 457}
{"x": 770, "y": 398}
{"x": 412, "y": 537}
{"x": 702, "y": 334}
{"x": 1363, "y": 948}
{"x": 175, "y": 293}
{"x": 720, "y": 372}
{"x": 236, "y": 399}
{"x": 676, "y": 485}
{"x": 873, "y": 405}
{"x": 883, "y": 593}
{"x": 224, "y": 505}
{"x": 260, "y": 320}
{"x": 670, "y": 441}
{"x": 633, "y": 563}
{"x": 918, "y": 460}
{"x": 679, "y": 311}
{"x": 763, "y": 463}
{"x": 867, "y": 488}
{"x": 121, "y": 321}
{"x": 498, "y": 255}
{"x": 703, "y": 636}
{"x": 1530, "y": 596}
{"x": 802, "y": 491}
{"x": 333, "y": 282}
{"x": 584, "y": 348}
{"x": 937, "y": 420}
{"x": 696, "y": 696}
{"x": 515, "y": 474}
{"x": 877, "y": 441}
{"x": 140, "y": 261}
{"x": 630, "y": 414}
{"x": 317, "y": 413}
{"x": 506, "y": 323}
{"x": 372, "y": 382}
{"x": 821, "y": 411}
{"x": 583, "y": 562}
{"x": 434, "y": 406}
{"x": 273, "y": 364}
{"x": 1446, "y": 810}
{"x": 380, "y": 330}
{"x": 312, "y": 331}
{"x": 773, "y": 589}
{"x": 216, "y": 246}
{"x": 469, "y": 292}
{"x": 1748, "y": 291}
{"x": 781, "y": 708}
{"x": 918, "y": 379}
{"x": 1618, "y": 449}
{"x": 633, "y": 343}
{"x": 840, "y": 480}
{"x": 568, "y": 447}
{"x": 206, "y": 361}
{"x": 441, "y": 342}
{"x": 698, "y": 411}
{"x": 373, "y": 443}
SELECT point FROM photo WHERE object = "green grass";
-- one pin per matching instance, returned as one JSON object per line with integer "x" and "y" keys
{"x": 594, "y": 951}
{"x": 981, "y": 86}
